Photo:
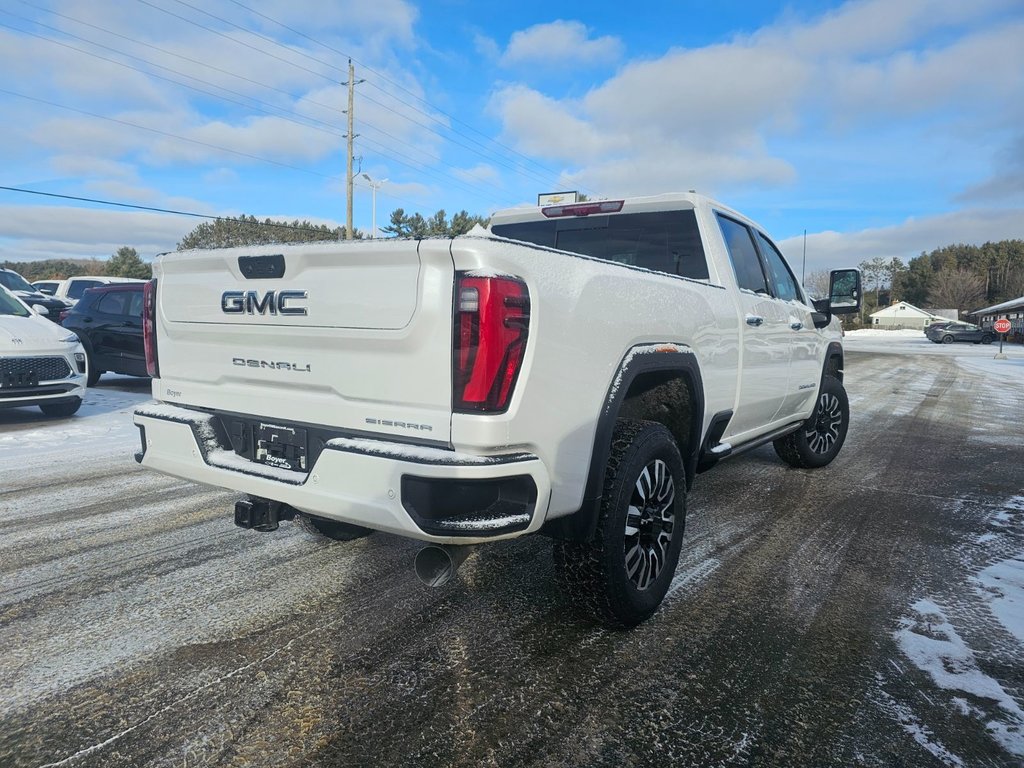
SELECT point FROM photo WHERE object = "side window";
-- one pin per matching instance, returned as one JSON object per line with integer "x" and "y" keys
{"x": 745, "y": 262}
{"x": 135, "y": 305}
{"x": 78, "y": 287}
{"x": 115, "y": 303}
{"x": 785, "y": 284}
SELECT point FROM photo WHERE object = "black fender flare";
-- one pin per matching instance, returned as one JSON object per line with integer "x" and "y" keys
{"x": 834, "y": 350}
{"x": 667, "y": 358}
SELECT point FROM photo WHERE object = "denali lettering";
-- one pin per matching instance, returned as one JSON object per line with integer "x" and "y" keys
{"x": 273, "y": 302}
{"x": 400, "y": 424}
{"x": 281, "y": 366}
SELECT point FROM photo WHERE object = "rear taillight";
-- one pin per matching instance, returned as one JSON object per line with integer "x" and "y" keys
{"x": 149, "y": 328}
{"x": 492, "y": 320}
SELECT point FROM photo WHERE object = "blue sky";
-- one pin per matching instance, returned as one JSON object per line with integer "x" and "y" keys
{"x": 882, "y": 128}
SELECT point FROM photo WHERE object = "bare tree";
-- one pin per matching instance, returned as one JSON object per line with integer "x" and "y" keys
{"x": 961, "y": 289}
{"x": 816, "y": 284}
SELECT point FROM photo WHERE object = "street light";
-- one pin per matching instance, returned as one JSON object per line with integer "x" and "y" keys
{"x": 375, "y": 185}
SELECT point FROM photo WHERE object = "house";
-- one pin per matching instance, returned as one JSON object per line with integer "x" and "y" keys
{"x": 904, "y": 315}
{"x": 1012, "y": 310}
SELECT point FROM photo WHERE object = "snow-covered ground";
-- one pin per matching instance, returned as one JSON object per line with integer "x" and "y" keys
{"x": 31, "y": 442}
{"x": 940, "y": 636}
{"x": 977, "y": 358}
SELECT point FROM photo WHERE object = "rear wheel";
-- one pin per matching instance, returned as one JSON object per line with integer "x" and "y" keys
{"x": 61, "y": 410}
{"x": 623, "y": 573}
{"x": 947, "y": 339}
{"x": 818, "y": 440}
{"x": 332, "y": 529}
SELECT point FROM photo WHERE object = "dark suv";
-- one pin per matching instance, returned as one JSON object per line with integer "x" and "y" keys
{"x": 951, "y": 332}
{"x": 108, "y": 320}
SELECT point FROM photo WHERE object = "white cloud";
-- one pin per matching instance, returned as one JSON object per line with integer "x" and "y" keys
{"x": 562, "y": 43}
{"x": 721, "y": 117}
{"x": 479, "y": 174}
{"x": 86, "y": 166}
{"x": 33, "y": 232}
{"x": 830, "y": 250}
{"x": 486, "y": 47}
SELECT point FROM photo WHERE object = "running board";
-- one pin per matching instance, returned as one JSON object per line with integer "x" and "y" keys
{"x": 715, "y": 453}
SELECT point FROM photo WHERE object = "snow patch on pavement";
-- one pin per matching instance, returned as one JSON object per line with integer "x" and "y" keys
{"x": 920, "y": 732}
{"x": 1002, "y": 585}
{"x": 934, "y": 646}
{"x": 963, "y": 643}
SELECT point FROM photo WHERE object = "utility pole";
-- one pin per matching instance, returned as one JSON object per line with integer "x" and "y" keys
{"x": 374, "y": 185}
{"x": 349, "y": 231}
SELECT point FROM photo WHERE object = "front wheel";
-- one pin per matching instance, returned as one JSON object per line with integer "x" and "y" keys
{"x": 987, "y": 339}
{"x": 818, "y": 440}
{"x": 623, "y": 573}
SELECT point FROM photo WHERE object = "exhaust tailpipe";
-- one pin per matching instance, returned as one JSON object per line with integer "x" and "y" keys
{"x": 436, "y": 563}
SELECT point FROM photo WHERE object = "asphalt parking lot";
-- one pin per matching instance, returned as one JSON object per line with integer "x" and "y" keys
{"x": 868, "y": 614}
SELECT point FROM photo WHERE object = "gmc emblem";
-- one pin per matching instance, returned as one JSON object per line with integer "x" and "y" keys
{"x": 250, "y": 303}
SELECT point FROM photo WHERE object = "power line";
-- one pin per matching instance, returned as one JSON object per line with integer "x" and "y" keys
{"x": 235, "y": 40}
{"x": 167, "y": 134}
{"x": 274, "y": 110}
{"x": 282, "y": 114}
{"x": 304, "y": 121}
{"x": 148, "y": 208}
{"x": 397, "y": 85}
{"x": 492, "y": 156}
{"x": 150, "y": 46}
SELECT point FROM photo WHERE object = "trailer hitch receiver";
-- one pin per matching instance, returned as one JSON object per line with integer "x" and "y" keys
{"x": 261, "y": 514}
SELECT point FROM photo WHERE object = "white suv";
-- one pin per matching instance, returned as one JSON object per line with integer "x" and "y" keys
{"x": 40, "y": 362}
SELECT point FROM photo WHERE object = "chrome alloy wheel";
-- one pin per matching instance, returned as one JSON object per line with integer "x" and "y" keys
{"x": 825, "y": 430}
{"x": 650, "y": 521}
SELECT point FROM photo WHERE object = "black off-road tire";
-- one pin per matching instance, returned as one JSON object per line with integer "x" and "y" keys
{"x": 621, "y": 576}
{"x": 819, "y": 439}
{"x": 61, "y": 410}
{"x": 332, "y": 529}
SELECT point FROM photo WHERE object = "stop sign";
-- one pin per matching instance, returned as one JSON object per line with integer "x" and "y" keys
{"x": 1001, "y": 326}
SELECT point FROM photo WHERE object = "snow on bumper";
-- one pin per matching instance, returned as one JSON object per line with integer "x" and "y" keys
{"x": 423, "y": 493}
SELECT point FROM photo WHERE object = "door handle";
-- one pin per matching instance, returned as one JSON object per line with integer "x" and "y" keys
{"x": 796, "y": 326}
{"x": 755, "y": 320}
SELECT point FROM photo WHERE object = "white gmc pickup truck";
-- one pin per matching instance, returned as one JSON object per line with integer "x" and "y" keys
{"x": 567, "y": 372}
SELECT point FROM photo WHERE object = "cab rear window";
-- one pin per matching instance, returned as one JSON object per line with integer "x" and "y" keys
{"x": 664, "y": 241}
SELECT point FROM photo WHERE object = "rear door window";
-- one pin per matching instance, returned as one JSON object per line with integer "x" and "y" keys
{"x": 135, "y": 304}
{"x": 114, "y": 303}
{"x": 745, "y": 261}
{"x": 663, "y": 241}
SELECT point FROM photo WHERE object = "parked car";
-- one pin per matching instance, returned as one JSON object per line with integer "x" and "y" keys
{"x": 23, "y": 289}
{"x": 72, "y": 288}
{"x": 108, "y": 320}
{"x": 46, "y": 287}
{"x": 40, "y": 363}
{"x": 937, "y": 326}
{"x": 950, "y": 332}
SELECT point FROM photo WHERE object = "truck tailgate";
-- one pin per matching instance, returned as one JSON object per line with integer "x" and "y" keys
{"x": 355, "y": 336}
